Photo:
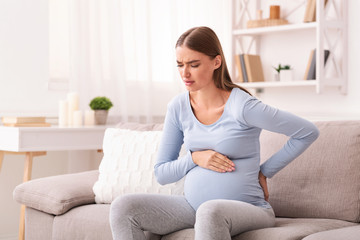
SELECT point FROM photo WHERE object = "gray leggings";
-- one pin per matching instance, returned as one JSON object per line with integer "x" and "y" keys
{"x": 132, "y": 214}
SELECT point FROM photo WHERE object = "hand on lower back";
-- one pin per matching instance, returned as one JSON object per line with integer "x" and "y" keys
{"x": 213, "y": 160}
{"x": 263, "y": 184}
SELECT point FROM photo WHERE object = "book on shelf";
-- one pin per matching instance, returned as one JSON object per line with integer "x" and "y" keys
{"x": 23, "y": 119}
{"x": 249, "y": 68}
{"x": 240, "y": 65}
{"x": 309, "y": 64}
{"x": 310, "y": 71}
{"x": 25, "y": 122}
{"x": 45, "y": 124}
{"x": 254, "y": 68}
{"x": 310, "y": 10}
{"x": 243, "y": 67}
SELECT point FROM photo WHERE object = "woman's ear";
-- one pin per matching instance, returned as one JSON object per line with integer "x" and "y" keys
{"x": 217, "y": 62}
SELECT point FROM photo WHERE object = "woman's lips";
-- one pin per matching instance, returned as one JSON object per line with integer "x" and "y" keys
{"x": 188, "y": 83}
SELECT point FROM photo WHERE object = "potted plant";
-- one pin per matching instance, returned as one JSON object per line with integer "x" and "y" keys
{"x": 101, "y": 106}
{"x": 284, "y": 73}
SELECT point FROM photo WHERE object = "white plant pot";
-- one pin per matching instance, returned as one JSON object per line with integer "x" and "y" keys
{"x": 101, "y": 117}
{"x": 286, "y": 75}
{"x": 276, "y": 77}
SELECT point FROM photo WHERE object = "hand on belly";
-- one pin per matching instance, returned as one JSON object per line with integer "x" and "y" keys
{"x": 214, "y": 161}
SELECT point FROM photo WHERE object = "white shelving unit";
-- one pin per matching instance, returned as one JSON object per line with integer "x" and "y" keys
{"x": 329, "y": 30}
{"x": 275, "y": 29}
{"x": 268, "y": 84}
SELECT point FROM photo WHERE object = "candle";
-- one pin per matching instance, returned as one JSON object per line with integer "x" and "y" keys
{"x": 73, "y": 105}
{"x": 77, "y": 119}
{"x": 89, "y": 118}
{"x": 63, "y": 113}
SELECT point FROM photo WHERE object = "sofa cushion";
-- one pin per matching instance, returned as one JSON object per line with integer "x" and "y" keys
{"x": 84, "y": 222}
{"x": 348, "y": 233}
{"x": 285, "y": 229}
{"x": 127, "y": 165}
{"x": 38, "y": 224}
{"x": 293, "y": 229}
{"x": 323, "y": 181}
{"x": 90, "y": 222}
{"x": 57, "y": 194}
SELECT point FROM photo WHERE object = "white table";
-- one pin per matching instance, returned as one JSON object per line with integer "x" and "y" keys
{"x": 36, "y": 141}
{"x": 32, "y": 139}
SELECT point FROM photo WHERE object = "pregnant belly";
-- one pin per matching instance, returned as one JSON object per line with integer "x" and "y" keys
{"x": 242, "y": 184}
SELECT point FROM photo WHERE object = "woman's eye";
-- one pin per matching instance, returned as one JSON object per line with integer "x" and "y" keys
{"x": 179, "y": 65}
{"x": 195, "y": 66}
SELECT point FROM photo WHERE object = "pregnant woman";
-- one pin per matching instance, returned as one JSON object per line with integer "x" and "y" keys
{"x": 219, "y": 124}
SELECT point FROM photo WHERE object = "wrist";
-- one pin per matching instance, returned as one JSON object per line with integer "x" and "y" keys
{"x": 261, "y": 175}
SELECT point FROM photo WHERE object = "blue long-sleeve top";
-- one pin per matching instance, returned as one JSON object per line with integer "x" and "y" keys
{"x": 236, "y": 135}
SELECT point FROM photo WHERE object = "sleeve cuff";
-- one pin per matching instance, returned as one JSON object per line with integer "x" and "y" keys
{"x": 191, "y": 163}
{"x": 266, "y": 173}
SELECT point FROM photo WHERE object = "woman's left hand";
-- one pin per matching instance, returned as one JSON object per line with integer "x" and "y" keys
{"x": 263, "y": 184}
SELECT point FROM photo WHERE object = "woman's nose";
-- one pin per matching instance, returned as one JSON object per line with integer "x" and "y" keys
{"x": 186, "y": 72}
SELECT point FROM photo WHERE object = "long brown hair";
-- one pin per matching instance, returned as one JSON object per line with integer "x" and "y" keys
{"x": 204, "y": 40}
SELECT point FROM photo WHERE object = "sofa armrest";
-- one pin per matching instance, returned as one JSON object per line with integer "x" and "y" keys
{"x": 57, "y": 194}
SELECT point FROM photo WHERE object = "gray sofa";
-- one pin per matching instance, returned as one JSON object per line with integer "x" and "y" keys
{"x": 316, "y": 197}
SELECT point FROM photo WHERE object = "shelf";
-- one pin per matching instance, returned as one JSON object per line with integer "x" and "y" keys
{"x": 328, "y": 32}
{"x": 278, "y": 84}
{"x": 274, "y": 29}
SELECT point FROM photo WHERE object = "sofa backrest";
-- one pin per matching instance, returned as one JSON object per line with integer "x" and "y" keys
{"x": 323, "y": 182}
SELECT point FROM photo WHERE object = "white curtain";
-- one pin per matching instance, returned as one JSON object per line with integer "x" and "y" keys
{"x": 124, "y": 49}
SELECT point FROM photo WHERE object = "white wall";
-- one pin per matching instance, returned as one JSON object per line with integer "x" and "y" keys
{"x": 24, "y": 57}
{"x": 23, "y": 89}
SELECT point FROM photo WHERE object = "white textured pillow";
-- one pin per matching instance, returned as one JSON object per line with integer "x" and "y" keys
{"x": 128, "y": 165}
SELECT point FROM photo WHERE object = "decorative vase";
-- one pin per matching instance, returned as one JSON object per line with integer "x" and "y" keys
{"x": 276, "y": 77}
{"x": 101, "y": 117}
{"x": 286, "y": 75}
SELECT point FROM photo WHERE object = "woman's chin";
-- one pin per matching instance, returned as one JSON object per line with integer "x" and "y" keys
{"x": 190, "y": 88}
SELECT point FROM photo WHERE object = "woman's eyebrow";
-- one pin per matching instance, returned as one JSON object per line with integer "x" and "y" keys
{"x": 189, "y": 62}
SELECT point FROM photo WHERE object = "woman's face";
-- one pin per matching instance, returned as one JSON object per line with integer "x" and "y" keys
{"x": 196, "y": 69}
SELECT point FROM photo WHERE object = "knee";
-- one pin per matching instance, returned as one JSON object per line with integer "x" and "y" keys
{"x": 122, "y": 208}
{"x": 211, "y": 212}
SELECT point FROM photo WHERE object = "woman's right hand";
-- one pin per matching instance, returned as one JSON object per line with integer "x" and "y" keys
{"x": 213, "y": 160}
